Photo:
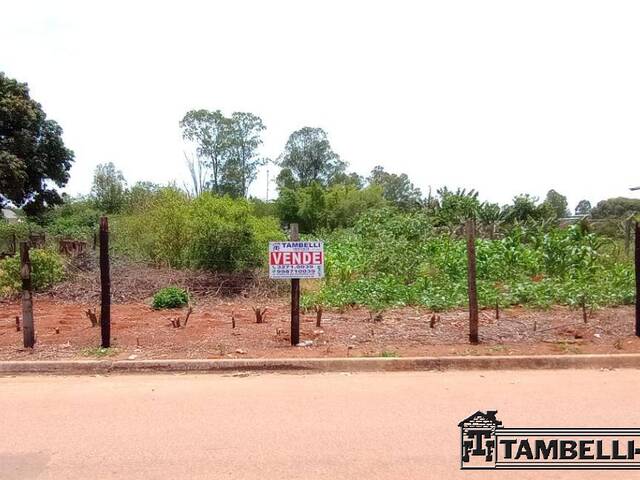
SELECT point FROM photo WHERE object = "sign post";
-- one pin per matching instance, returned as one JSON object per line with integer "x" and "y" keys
{"x": 295, "y": 296}
{"x": 295, "y": 260}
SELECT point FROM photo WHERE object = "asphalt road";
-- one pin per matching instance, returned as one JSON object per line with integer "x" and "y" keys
{"x": 324, "y": 426}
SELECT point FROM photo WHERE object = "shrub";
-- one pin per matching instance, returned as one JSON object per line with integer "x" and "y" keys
{"x": 170, "y": 297}
{"x": 47, "y": 269}
{"x": 76, "y": 219}
{"x": 392, "y": 259}
{"x": 216, "y": 233}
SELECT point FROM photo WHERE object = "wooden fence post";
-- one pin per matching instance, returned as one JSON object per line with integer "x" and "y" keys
{"x": 471, "y": 275}
{"x": 637, "y": 264}
{"x": 28, "y": 331}
{"x": 295, "y": 295}
{"x": 105, "y": 284}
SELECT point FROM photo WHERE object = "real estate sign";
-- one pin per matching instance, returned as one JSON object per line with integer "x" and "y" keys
{"x": 295, "y": 259}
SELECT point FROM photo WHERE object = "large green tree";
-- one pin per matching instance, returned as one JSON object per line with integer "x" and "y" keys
{"x": 208, "y": 132}
{"x": 557, "y": 203}
{"x": 243, "y": 138}
{"x": 396, "y": 189}
{"x": 619, "y": 207}
{"x": 226, "y": 149}
{"x": 583, "y": 207}
{"x": 32, "y": 153}
{"x": 309, "y": 157}
{"x": 109, "y": 188}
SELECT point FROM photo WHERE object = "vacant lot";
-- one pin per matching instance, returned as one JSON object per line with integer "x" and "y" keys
{"x": 64, "y": 331}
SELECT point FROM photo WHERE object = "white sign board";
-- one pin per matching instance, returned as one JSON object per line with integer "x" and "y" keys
{"x": 296, "y": 259}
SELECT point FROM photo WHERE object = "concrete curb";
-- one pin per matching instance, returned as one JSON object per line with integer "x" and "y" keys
{"x": 369, "y": 364}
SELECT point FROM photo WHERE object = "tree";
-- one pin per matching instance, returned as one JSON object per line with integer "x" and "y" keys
{"x": 490, "y": 217}
{"x": 351, "y": 179}
{"x": 108, "y": 188}
{"x": 208, "y": 132}
{"x": 396, "y": 189}
{"x": 454, "y": 208}
{"x": 583, "y": 207}
{"x": 199, "y": 173}
{"x": 309, "y": 157}
{"x": 243, "y": 139}
{"x": 286, "y": 179}
{"x": 557, "y": 203}
{"x": 32, "y": 152}
{"x": 619, "y": 207}
{"x": 141, "y": 196}
{"x": 525, "y": 208}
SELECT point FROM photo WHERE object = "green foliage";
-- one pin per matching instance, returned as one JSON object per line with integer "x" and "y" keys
{"x": 557, "y": 203}
{"x": 170, "y": 297}
{"x": 99, "y": 352}
{"x": 226, "y": 150}
{"x": 308, "y": 158}
{"x": 32, "y": 154}
{"x": 394, "y": 259}
{"x": 396, "y": 189}
{"x": 315, "y": 207}
{"x": 583, "y": 207}
{"x": 74, "y": 219}
{"x": 47, "y": 269}
{"x": 211, "y": 232}
{"x": 109, "y": 187}
{"x": 618, "y": 207}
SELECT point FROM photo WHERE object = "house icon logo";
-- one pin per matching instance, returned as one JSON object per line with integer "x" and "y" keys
{"x": 486, "y": 444}
{"x": 478, "y": 437}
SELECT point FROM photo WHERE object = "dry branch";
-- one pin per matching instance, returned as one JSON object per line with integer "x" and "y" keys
{"x": 260, "y": 314}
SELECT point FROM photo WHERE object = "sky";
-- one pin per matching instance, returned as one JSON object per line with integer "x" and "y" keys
{"x": 506, "y": 97}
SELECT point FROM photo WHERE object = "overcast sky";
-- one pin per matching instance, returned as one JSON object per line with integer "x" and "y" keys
{"x": 504, "y": 96}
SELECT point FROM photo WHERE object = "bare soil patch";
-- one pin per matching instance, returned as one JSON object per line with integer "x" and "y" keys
{"x": 138, "y": 331}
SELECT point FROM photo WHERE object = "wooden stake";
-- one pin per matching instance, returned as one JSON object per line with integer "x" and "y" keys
{"x": 637, "y": 263}
{"x": 28, "y": 331}
{"x": 471, "y": 276}
{"x": 295, "y": 296}
{"x": 105, "y": 284}
{"x": 318, "y": 316}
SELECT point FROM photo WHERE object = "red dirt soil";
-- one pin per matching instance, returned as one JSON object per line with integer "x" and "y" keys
{"x": 138, "y": 331}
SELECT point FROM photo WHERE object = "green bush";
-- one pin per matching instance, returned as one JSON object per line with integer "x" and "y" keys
{"x": 76, "y": 219}
{"x": 170, "y": 297}
{"x": 47, "y": 269}
{"x": 210, "y": 232}
{"x": 393, "y": 259}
